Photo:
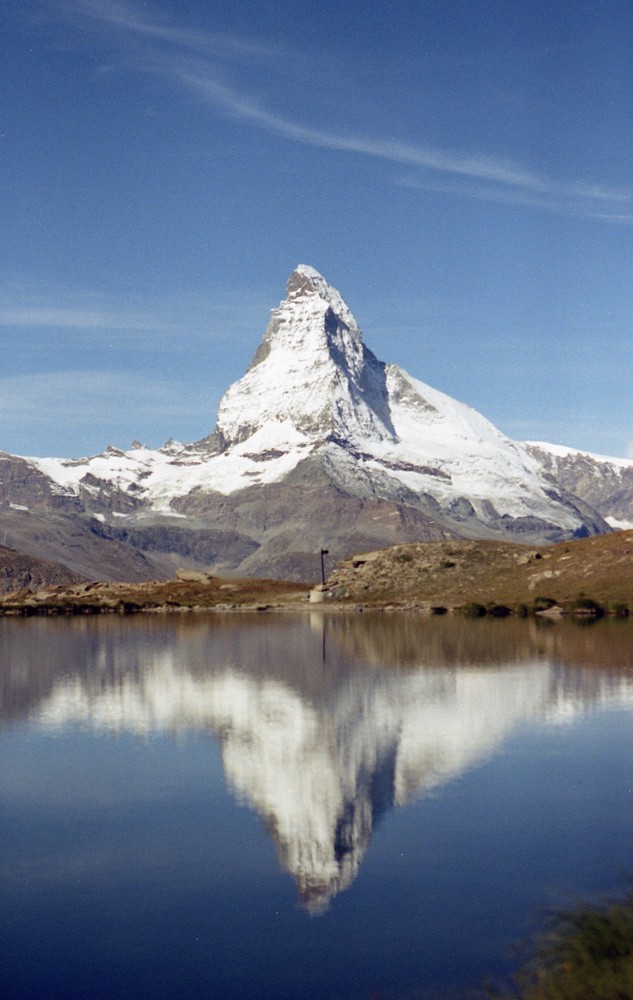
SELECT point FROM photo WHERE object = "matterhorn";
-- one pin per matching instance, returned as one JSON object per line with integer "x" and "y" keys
{"x": 318, "y": 445}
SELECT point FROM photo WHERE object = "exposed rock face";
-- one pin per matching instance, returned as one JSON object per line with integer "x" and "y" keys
{"x": 23, "y": 485}
{"x": 318, "y": 445}
{"x": 606, "y": 484}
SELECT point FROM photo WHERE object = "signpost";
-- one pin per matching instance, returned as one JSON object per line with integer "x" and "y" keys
{"x": 324, "y": 552}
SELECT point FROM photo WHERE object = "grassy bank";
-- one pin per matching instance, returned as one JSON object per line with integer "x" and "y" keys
{"x": 191, "y": 592}
{"x": 586, "y": 954}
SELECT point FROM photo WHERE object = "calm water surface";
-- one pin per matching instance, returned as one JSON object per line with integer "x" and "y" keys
{"x": 323, "y": 806}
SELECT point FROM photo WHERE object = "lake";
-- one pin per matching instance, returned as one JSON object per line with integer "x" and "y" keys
{"x": 319, "y": 805}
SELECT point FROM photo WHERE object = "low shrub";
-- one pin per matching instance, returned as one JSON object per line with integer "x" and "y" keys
{"x": 499, "y": 610}
{"x": 473, "y": 610}
{"x": 543, "y": 603}
{"x": 586, "y": 606}
{"x": 587, "y": 954}
{"x": 618, "y": 608}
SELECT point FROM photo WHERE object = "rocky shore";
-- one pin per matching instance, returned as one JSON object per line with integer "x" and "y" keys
{"x": 190, "y": 591}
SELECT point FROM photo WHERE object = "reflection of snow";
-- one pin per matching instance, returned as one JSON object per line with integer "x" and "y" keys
{"x": 319, "y": 771}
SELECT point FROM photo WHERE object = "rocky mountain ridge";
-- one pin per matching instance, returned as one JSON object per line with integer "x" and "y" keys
{"x": 319, "y": 445}
{"x": 604, "y": 483}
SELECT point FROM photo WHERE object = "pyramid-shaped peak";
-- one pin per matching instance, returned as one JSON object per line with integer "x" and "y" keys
{"x": 311, "y": 377}
{"x": 306, "y": 281}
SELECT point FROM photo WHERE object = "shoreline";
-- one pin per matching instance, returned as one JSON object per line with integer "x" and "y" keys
{"x": 71, "y": 604}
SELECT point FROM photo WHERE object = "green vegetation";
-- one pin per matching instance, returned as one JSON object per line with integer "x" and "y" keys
{"x": 498, "y": 610}
{"x": 543, "y": 603}
{"x": 473, "y": 610}
{"x": 618, "y": 608}
{"x": 586, "y": 606}
{"x": 587, "y": 954}
{"x": 581, "y": 607}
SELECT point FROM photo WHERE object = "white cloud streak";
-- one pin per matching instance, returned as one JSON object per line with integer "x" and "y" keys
{"x": 192, "y": 60}
{"x": 130, "y": 20}
{"x": 41, "y": 306}
{"x": 89, "y": 395}
{"x": 75, "y": 319}
{"x": 483, "y": 168}
{"x": 619, "y": 219}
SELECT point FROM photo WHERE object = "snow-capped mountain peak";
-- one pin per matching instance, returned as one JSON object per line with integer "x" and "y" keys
{"x": 319, "y": 442}
{"x": 306, "y": 281}
{"x": 311, "y": 377}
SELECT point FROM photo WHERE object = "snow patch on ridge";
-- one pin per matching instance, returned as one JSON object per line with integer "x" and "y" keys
{"x": 158, "y": 478}
{"x": 305, "y": 280}
{"x": 562, "y": 451}
{"x": 618, "y": 525}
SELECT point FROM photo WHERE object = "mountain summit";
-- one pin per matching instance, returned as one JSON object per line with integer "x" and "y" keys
{"x": 311, "y": 378}
{"x": 319, "y": 444}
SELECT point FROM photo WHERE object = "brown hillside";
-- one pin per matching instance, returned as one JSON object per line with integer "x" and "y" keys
{"x": 454, "y": 573}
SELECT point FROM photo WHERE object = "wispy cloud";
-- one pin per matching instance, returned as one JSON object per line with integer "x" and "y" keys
{"x": 573, "y": 198}
{"x": 37, "y": 305}
{"x": 75, "y": 319}
{"x": 475, "y": 176}
{"x": 89, "y": 395}
{"x": 29, "y": 302}
{"x": 483, "y": 168}
{"x": 130, "y": 20}
{"x": 196, "y": 61}
{"x": 619, "y": 219}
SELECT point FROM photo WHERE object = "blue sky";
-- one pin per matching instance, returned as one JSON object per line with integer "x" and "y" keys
{"x": 461, "y": 171}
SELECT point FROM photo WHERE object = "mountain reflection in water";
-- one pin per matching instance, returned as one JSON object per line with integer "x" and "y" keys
{"x": 325, "y": 723}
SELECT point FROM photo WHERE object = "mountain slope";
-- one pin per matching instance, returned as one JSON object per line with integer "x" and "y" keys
{"x": 18, "y": 571}
{"x": 604, "y": 483}
{"x": 320, "y": 444}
